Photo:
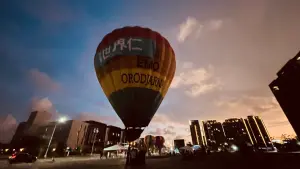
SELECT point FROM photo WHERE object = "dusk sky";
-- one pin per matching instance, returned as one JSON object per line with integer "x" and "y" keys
{"x": 227, "y": 53}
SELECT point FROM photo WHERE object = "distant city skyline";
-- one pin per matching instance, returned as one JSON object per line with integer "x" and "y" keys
{"x": 227, "y": 54}
{"x": 215, "y": 134}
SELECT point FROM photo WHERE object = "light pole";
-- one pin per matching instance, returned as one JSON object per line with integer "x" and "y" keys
{"x": 95, "y": 131}
{"x": 60, "y": 120}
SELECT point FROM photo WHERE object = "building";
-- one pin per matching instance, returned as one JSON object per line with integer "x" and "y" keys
{"x": 214, "y": 133}
{"x": 112, "y": 135}
{"x": 179, "y": 143}
{"x": 258, "y": 132}
{"x": 287, "y": 92}
{"x": 71, "y": 134}
{"x": 36, "y": 120}
{"x": 123, "y": 136}
{"x": 95, "y": 136}
{"x": 196, "y": 132}
{"x": 20, "y": 132}
{"x": 236, "y": 131}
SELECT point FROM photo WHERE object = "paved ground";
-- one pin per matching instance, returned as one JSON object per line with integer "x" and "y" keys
{"x": 214, "y": 161}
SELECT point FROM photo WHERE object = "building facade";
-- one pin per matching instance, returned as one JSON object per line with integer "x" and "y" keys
{"x": 178, "y": 143}
{"x": 214, "y": 132}
{"x": 31, "y": 127}
{"x": 196, "y": 132}
{"x": 36, "y": 120}
{"x": 70, "y": 134}
{"x": 287, "y": 92}
{"x": 20, "y": 132}
{"x": 236, "y": 131}
{"x": 258, "y": 132}
{"x": 112, "y": 135}
{"x": 123, "y": 136}
{"x": 95, "y": 136}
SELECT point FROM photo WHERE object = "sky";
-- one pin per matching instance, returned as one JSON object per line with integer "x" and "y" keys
{"x": 227, "y": 53}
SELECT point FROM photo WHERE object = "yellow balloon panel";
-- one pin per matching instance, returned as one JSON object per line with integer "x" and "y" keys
{"x": 136, "y": 77}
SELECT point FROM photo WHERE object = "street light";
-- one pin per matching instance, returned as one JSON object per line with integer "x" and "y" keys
{"x": 60, "y": 120}
{"x": 96, "y": 131}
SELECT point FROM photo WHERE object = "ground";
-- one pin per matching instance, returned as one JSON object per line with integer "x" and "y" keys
{"x": 213, "y": 161}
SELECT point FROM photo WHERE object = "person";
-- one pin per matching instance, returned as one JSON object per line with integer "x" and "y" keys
{"x": 101, "y": 154}
{"x": 106, "y": 155}
{"x": 142, "y": 156}
{"x": 128, "y": 156}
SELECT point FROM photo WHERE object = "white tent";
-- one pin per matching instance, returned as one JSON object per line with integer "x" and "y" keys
{"x": 116, "y": 147}
{"x": 188, "y": 148}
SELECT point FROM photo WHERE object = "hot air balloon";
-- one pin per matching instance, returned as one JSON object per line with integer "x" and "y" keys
{"x": 149, "y": 142}
{"x": 159, "y": 142}
{"x": 135, "y": 67}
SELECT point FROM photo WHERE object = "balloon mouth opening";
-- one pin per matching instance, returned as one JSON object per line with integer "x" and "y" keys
{"x": 137, "y": 128}
{"x": 133, "y": 133}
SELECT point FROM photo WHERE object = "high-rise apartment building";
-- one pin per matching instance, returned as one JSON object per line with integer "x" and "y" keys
{"x": 214, "y": 132}
{"x": 287, "y": 91}
{"x": 236, "y": 131}
{"x": 258, "y": 132}
{"x": 196, "y": 132}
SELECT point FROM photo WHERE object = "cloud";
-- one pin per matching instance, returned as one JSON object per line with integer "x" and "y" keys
{"x": 42, "y": 81}
{"x": 169, "y": 130}
{"x": 215, "y": 24}
{"x": 163, "y": 125}
{"x": 187, "y": 65}
{"x": 8, "y": 126}
{"x": 42, "y": 104}
{"x": 156, "y": 132}
{"x": 107, "y": 119}
{"x": 191, "y": 27}
{"x": 196, "y": 81}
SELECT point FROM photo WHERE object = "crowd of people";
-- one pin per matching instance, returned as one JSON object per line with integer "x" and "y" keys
{"x": 136, "y": 154}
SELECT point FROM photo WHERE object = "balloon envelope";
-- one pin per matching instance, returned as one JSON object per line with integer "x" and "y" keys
{"x": 160, "y": 140}
{"x": 135, "y": 67}
{"x": 148, "y": 140}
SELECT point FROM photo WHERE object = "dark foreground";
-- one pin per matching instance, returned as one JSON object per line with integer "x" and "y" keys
{"x": 213, "y": 161}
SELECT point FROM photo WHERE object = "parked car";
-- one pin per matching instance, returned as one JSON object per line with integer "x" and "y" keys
{"x": 22, "y": 158}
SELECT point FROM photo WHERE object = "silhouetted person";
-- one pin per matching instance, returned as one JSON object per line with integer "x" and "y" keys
{"x": 142, "y": 157}
{"x": 128, "y": 156}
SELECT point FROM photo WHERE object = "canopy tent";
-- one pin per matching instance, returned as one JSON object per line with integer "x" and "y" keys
{"x": 116, "y": 147}
{"x": 188, "y": 148}
{"x": 196, "y": 147}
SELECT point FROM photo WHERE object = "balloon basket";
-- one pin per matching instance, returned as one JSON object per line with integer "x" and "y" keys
{"x": 136, "y": 155}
